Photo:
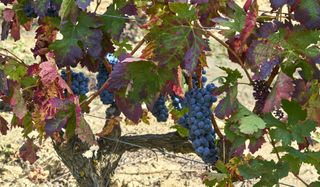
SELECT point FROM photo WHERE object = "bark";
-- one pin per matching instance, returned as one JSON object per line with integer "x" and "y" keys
{"x": 97, "y": 171}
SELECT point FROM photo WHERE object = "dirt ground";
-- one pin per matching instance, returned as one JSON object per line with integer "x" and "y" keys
{"x": 142, "y": 168}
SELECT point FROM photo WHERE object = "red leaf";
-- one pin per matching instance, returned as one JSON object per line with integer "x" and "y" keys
{"x": 247, "y": 5}
{"x": 175, "y": 85}
{"x": 48, "y": 72}
{"x": 283, "y": 89}
{"x": 3, "y": 126}
{"x": 250, "y": 23}
{"x": 133, "y": 111}
{"x": 15, "y": 29}
{"x": 256, "y": 145}
{"x": 8, "y": 14}
{"x": 17, "y": 103}
{"x": 28, "y": 151}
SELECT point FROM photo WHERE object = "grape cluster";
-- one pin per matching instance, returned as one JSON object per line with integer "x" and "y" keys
{"x": 106, "y": 97}
{"x": 195, "y": 82}
{"x": 198, "y": 122}
{"x": 79, "y": 82}
{"x": 51, "y": 9}
{"x": 29, "y": 10}
{"x": 261, "y": 91}
{"x": 177, "y": 102}
{"x": 112, "y": 59}
{"x": 160, "y": 110}
{"x": 278, "y": 113}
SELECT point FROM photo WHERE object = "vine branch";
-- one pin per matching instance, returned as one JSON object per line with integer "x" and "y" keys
{"x": 233, "y": 53}
{"x": 136, "y": 48}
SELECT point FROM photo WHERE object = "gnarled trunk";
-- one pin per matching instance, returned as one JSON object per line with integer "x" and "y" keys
{"x": 97, "y": 171}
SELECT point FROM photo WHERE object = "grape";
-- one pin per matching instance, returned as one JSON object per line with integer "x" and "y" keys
{"x": 79, "y": 82}
{"x": 261, "y": 91}
{"x": 197, "y": 121}
{"x": 53, "y": 9}
{"x": 106, "y": 97}
{"x": 29, "y": 10}
{"x": 159, "y": 110}
{"x": 112, "y": 59}
{"x": 177, "y": 102}
{"x": 195, "y": 79}
{"x": 278, "y": 113}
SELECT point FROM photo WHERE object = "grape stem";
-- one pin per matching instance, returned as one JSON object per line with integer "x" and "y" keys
{"x": 234, "y": 54}
{"x": 69, "y": 77}
{"x": 216, "y": 128}
{"x": 274, "y": 73}
{"x": 94, "y": 95}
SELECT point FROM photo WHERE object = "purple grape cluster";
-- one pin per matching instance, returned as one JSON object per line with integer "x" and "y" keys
{"x": 31, "y": 9}
{"x": 177, "y": 102}
{"x": 160, "y": 110}
{"x": 261, "y": 91}
{"x": 198, "y": 122}
{"x": 195, "y": 82}
{"x": 79, "y": 82}
{"x": 106, "y": 97}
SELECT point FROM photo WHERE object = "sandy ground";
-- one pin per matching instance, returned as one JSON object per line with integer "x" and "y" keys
{"x": 142, "y": 168}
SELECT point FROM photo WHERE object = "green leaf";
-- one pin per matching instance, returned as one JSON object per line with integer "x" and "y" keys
{"x": 68, "y": 7}
{"x": 232, "y": 76}
{"x": 294, "y": 111}
{"x": 14, "y": 70}
{"x": 250, "y": 123}
{"x": 183, "y": 132}
{"x": 183, "y": 10}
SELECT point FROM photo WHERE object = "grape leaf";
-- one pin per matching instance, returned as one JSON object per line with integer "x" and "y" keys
{"x": 313, "y": 108}
{"x": 3, "y": 126}
{"x": 28, "y": 151}
{"x": 85, "y": 133}
{"x": 183, "y": 10}
{"x": 268, "y": 172}
{"x": 189, "y": 43}
{"x": 294, "y": 111}
{"x": 131, "y": 110}
{"x": 282, "y": 89}
{"x": 68, "y": 50}
{"x": 262, "y": 57}
{"x": 249, "y": 122}
{"x": 250, "y": 22}
{"x": 228, "y": 105}
{"x": 111, "y": 23}
{"x": 83, "y": 4}
{"x": 130, "y": 75}
{"x": 68, "y": 9}
{"x": 14, "y": 70}
{"x": 308, "y": 13}
{"x": 17, "y": 102}
{"x": 256, "y": 144}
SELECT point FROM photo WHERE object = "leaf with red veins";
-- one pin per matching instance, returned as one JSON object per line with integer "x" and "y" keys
{"x": 132, "y": 111}
{"x": 175, "y": 85}
{"x": 48, "y": 72}
{"x": 250, "y": 24}
{"x": 283, "y": 89}
{"x": 8, "y": 14}
{"x": 33, "y": 69}
{"x": 255, "y": 145}
{"x": 17, "y": 103}
{"x": 28, "y": 151}
{"x": 3, "y": 126}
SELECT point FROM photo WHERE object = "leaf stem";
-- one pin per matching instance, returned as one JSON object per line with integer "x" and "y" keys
{"x": 69, "y": 77}
{"x": 233, "y": 53}
{"x": 274, "y": 73}
{"x": 14, "y": 57}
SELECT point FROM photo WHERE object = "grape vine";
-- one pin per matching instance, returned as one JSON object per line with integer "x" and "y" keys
{"x": 273, "y": 50}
